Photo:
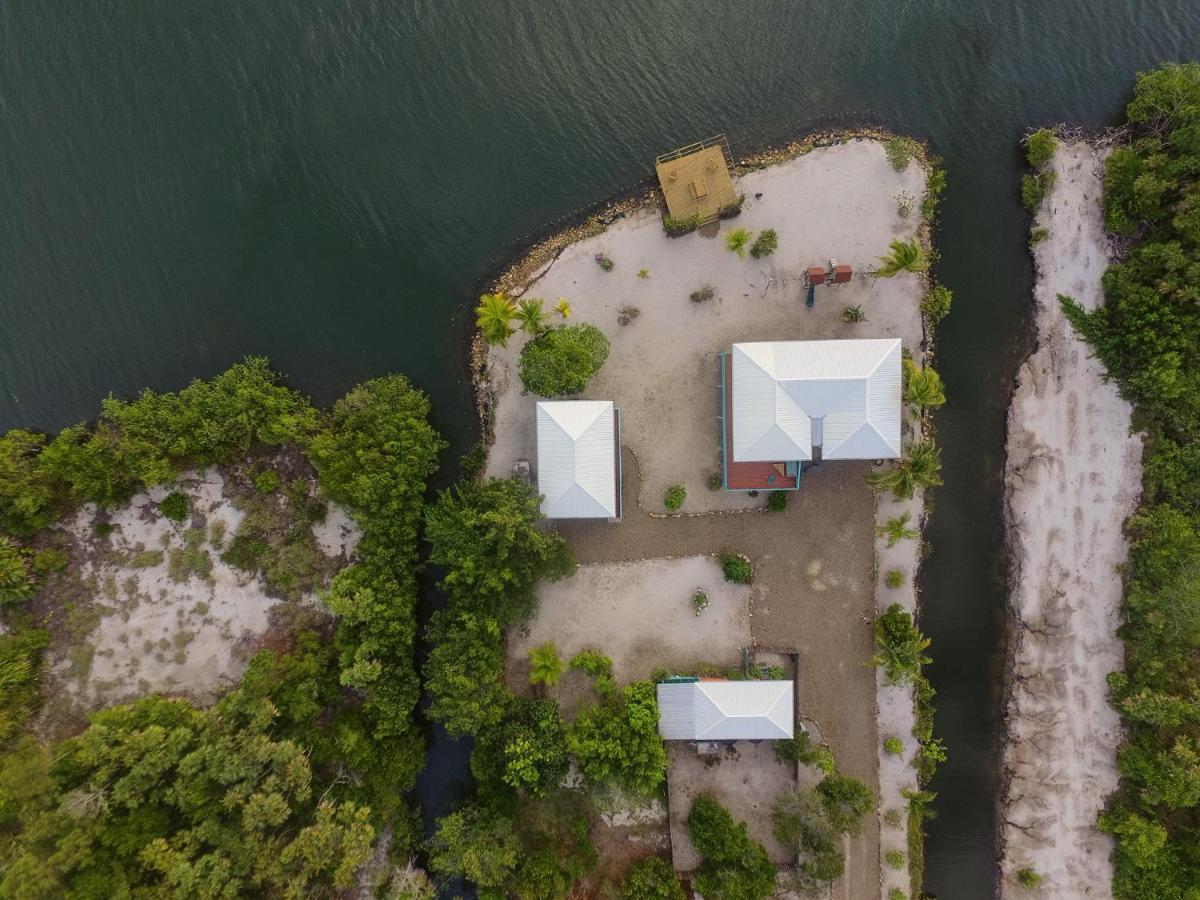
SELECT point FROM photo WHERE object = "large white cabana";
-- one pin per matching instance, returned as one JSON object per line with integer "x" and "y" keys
{"x": 791, "y": 396}
{"x": 577, "y": 467}
{"x": 725, "y": 710}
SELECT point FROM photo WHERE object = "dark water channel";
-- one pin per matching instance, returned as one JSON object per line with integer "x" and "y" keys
{"x": 325, "y": 182}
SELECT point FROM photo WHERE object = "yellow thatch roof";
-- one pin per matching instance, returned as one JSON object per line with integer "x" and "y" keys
{"x": 696, "y": 180}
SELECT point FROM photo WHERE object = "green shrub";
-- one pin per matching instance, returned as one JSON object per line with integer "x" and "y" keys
{"x": 715, "y": 481}
{"x": 50, "y": 559}
{"x": 732, "y": 210}
{"x": 703, "y": 294}
{"x": 901, "y": 647}
{"x": 592, "y": 662}
{"x": 777, "y": 501}
{"x": 894, "y": 578}
{"x": 899, "y": 152}
{"x": 1035, "y": 188}
{"x": 894, "y": 818}
{"x": 699, "y": 601}
{"x": 896, "y": 894}
{"x": 104, "y": 529}
{"x": 651, "y": 878}
{"x": 146, "y": 559}
{"x": 854, "y": 315}
{"x": 1039, "y": 234}
{"x": 676, "y": 494}
{"x": 934, "y": 187}
{"x": 737, "y": 240}
{"x": 604, "y": 262}
{"x": 801, "y": 749}
{"x": 562, "y": 360}
{"x": 894, "y": 858}
{"x": 736, "y": 568}
{"x": 266, "y": 481}
{"x": 894, "y": 746}
{"x": 677, "y": 226}
{"x": 935, "y": 305}
{"x": 733, "y": 865}
{"x": 1040, "y": 147}
{"x": 1028, "y": 878}
{"x": 617, "y": 740}
{"x": 175, "y": 506}
{"x": 765, "y": 244}
{"x": 16, "y": 579}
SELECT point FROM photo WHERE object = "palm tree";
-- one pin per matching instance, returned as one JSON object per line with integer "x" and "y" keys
{"x": 918, "y": 802}
{"x": 494, "y": 316}
{"x": 905, "y": 256}
{"x": 924, "y": 387}
{"x": 546, "y": 666}
{"x": 896, "y": 529}
{"x": 920, "y": 467}
{"x": 531, "y": 316}
{"x": 563, "y": 308}
{"x": 901, "y": 646}
{"x": 737, "y": 241}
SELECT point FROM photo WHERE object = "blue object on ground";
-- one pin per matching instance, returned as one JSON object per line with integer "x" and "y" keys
{"x": 812, "y": 295}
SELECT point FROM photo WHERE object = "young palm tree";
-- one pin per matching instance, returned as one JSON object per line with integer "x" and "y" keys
{"x": 546, "y": 666}
{"x": 737, "y": 241}
{"x": 494, "y": 317}
{"x": 923, "y": 389}
{"x": 905, "y": 256}
{"x": 531, "y": 316}
{"x": 901, "y": 646}
{"x": 920, "y": 467}
{"x": 896, "y": 529}
{"x": 563, "y": 308}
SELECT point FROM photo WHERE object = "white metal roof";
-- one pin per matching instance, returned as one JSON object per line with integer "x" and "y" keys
{"x": 576, "y": 459}
{"x": 725, "y": 710}
{"x": 846, "y": 392}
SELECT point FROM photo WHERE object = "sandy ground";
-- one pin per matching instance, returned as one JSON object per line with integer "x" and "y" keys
{"x": 156, "y": 634}
{"x": 835, "y": 202}
{"x": 811, "y": 595}
{"x": 595, "y": 606}
{"x": 746, "y": 778}
{"x": 1073, "y": 476}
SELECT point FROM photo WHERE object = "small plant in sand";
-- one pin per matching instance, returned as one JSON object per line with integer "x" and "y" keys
{"x": 777, "y": 501}
{"x": 899, "y": 152}
{"x": 563, "y": 308}
{"x": 699, "y": 601}
{"x": 893, "y": 817}
{"x": 643, "y": 274}
{"x": 904, "y": 204}
{"x": 893, "y": 745}
{"x": 676, "y": 494}
{"x": 604, "y": 262}
{"x": 1038, "y": 235}
{"x": 894, "y": 858}
{"x": 174, "y": 506}
{"x": 266, "y": 481}
{"x": 737, "y": 240}
{"x": 627, "y": 314}
{"x": 737, "y": 568}
{"x": 677, "y": 226}
{"x": 545, "y": 665}
{"x": 897, "y": 894}
{"x": 715, "y": 481}
{"x": 16, "y": 581}
{"x": 1028, "y": 878}
{"x": 896, "y": 529}
{"x": 935, "y": 305}
{"x": 703, "y": 294}
{"x": 1040, "y": 147}
{"x": 854, "y": 314}
{"x": 894, "y": 578}
{"x": 900, "y": 646}
{"x": 922, "y": 387}
{"x": 494, "y": 318}
{"x": 765, "y": 244}
{"x": 903, "y": 256}
{"x": 920, "y": 467}
{"x": 531, "y": 315}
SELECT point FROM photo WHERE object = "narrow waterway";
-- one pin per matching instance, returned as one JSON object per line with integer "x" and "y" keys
{"x": 326, "y": 182}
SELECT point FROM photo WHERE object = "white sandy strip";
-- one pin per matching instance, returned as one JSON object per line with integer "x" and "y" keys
{"x": 1073, "y": 476}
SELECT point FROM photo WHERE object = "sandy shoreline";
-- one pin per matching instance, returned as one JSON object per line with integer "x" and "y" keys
{"x": 1073, "y": 475}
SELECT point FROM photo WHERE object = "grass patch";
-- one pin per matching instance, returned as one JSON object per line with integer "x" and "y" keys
{"x": 191, "y": 559}
{"x": 146, "y": 559}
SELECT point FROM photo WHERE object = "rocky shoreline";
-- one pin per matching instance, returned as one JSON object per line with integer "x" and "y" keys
{"x": 1072, "y": 477}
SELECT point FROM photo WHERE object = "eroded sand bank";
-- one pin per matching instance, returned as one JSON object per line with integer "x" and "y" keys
{"x": 1073, "y": 476}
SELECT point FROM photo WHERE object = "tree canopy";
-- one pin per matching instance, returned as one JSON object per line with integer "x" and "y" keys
{"x": 562, "y": 360}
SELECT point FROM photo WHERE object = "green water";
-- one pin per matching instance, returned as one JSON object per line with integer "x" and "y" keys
{"x": 326, "y": 182}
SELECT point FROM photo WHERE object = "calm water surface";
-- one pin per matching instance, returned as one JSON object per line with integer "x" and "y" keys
{"x": 326, "y": 182}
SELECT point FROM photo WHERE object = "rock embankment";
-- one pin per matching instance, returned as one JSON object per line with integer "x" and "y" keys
{"x": 1073, "y": 475}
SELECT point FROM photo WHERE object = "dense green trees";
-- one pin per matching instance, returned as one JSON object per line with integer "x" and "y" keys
{"x": 733, "y": 865}
{"x": 1147, "y": 333}
{"x": 562, "y": 360}
{"x": 811, "y": 822}
{"x": 617, "y": 740}
{"x": 652, "y": 878}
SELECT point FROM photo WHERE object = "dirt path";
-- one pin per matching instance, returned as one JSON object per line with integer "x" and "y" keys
{"x": 812, "y": 593}
{"x": 1073, "y": 476}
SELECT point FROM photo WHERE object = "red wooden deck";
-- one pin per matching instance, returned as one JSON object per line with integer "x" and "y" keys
{"x": 748, "y": 476}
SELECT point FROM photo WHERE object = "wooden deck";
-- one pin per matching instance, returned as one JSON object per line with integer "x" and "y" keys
{"x": 750, "y": 476}
{"x": 695, "y": 180}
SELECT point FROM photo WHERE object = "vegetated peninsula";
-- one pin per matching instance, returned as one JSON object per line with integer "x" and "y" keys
{"x": 699, "y": 389}
{"x": 1074, "y": 473}
{"x": 235, "y": 571}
